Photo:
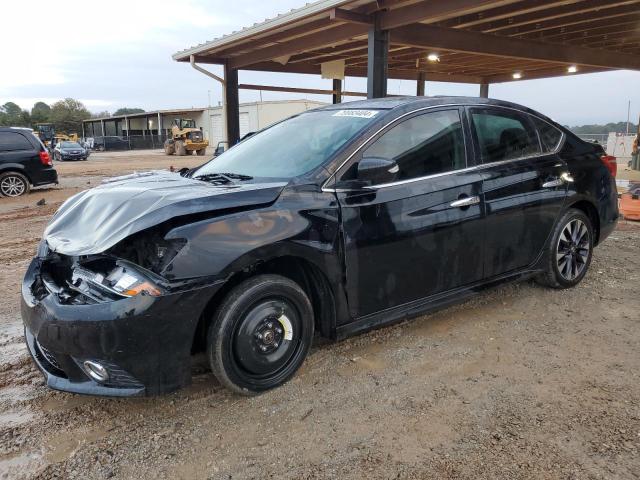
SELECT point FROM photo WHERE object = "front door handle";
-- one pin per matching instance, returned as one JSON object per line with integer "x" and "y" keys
{"x": 465, "y": 202}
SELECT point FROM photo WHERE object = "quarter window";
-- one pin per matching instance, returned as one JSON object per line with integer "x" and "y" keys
{"x": 503, "y": 135}
{"x": 424, "y": 145}
{"x": 10, "y": 141}
{"x": 550, "y": 136}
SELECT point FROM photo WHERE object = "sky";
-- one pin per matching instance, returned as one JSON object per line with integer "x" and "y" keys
{"x": 118, "y": 54}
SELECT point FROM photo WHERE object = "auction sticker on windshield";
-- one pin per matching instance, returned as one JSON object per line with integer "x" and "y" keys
{"x": 356, "y": 113}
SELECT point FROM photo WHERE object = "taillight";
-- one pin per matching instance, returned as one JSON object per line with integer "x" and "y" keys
{"x": 45, "y": 159}
{"x": 611, "y": 163}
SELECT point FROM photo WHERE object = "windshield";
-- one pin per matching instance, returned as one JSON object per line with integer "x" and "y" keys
{"x": 293, "y": 147}
{"x": 187, "y": 123}
{"x": 70, "y": 145}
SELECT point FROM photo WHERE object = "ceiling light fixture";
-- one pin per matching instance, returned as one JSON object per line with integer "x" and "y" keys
{"x": 572, "y": 69}
{"x": 433, "y": 57}
{"x": 517, "y": 75}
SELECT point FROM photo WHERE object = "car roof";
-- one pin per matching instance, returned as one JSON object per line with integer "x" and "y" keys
{"x": 409, "y": 103}
{"x": 400, "y": 105}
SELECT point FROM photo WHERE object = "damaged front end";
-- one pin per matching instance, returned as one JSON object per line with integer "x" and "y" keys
{"x": 106, "y": 309}
{"x": 133, "y": 267}
{"x": 111, "y": 324}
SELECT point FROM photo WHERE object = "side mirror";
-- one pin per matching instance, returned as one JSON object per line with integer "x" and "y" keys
{"x": 377, "y": 170}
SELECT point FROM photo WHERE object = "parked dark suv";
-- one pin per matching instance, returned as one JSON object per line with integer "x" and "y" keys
{"x": 334, "y": 221}
{"x": 24, "y": 161}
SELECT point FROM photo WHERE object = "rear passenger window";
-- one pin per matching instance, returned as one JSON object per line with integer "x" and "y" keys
{"x": 423, "y": 145}
{"x": 10, "y": 141}
{"x": 550, "y": 136}
{"x": 503, "y": 135}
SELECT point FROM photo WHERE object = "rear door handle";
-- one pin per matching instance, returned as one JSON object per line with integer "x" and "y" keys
{"x": 553, "y": 183}
{"x": 465, "y": 202}
{"x": 565, "y": 177}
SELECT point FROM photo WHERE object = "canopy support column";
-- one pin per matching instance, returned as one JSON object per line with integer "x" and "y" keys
{"x": 232, "y": 104}
{"x": 377, "y": 61}
{"x": 337, "y": 91}
{"x": 420, "y": 86}
{"x": 484, "y": 90}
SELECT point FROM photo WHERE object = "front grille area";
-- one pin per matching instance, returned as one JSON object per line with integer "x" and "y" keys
{"x": 48, "y": 360}
{"x": 196, "y": 136}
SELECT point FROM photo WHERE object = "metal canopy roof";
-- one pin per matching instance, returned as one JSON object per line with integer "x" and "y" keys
{"x": 477, "y": 41}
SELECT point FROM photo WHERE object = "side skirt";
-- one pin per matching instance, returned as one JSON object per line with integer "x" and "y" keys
{"x": 426, "y": 305}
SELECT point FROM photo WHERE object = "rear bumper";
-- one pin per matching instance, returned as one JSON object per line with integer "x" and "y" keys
{"x": 144, "y": 342}
{"x": 45, "y": 176}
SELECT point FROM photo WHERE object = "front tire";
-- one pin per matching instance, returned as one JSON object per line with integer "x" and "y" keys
{"x": 180, "y": 149}
{"x": 260, "y": 334}
{"x": 569, "y": 252}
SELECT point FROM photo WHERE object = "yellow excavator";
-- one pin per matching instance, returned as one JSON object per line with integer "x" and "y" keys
{"x": 185, "y": 139}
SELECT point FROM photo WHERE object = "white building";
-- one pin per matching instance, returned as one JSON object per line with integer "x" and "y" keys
{"x": 150, "y": 128}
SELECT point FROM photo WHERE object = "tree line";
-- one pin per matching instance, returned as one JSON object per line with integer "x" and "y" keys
{"x": 65, "y": 115}
{"x": 618, "y": 127}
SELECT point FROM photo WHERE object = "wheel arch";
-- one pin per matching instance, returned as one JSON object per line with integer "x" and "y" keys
{"x": 589, "y": 209}
{"x": 311, "y": 278}
{"x": 17, "y": 168}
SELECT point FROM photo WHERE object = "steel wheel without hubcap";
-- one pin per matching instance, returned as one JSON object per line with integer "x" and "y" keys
{"x": 12, "y": 186}
{"x": 267, "y": 338}
{"x": 573, "y": 249}
{"x": 260, "y": 334}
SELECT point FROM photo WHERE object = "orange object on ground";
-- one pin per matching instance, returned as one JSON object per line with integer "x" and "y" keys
{"x": 630, "y": 207}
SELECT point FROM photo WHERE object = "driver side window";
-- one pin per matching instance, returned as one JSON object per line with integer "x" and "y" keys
{"x": 423, "y": 145}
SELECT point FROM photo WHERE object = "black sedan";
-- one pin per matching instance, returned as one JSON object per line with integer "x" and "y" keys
{"x": 334, "y": 221}
{"x": 70, "y": 151}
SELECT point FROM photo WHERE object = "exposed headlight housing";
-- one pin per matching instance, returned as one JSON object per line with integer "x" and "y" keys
{"x": 128, "y": 282}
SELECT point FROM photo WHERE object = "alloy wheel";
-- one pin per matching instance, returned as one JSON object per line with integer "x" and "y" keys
{"x": 573, "y": 249}
{"x": 12, "y": 186}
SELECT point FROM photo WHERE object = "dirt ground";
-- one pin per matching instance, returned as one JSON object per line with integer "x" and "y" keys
{"x": 521, "y": 382}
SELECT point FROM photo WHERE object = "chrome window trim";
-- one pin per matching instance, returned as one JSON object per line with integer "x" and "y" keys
{"x": 436, "y": 175}
{"x": 428, "y": 177}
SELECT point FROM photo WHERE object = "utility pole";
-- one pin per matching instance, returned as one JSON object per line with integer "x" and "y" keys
{"x": 628, "y": 116}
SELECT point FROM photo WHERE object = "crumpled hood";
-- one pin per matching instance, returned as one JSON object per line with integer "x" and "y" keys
{"x": 95, "y": 220}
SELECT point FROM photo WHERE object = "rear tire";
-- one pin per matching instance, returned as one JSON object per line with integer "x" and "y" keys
{"x": 201, "y": 152}
{"x": 260, "y": 334}
{"x": 569, "y": 252}
{"x": 180, "y": 149}
{"x": 13, "y": 184}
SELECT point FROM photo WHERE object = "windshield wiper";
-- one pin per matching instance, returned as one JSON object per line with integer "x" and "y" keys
{"x": 237, "y": 176}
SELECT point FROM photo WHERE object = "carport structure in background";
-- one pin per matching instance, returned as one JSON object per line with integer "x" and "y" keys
{"x": 462, "y": 41}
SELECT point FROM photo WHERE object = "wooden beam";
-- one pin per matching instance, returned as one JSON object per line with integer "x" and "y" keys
{"x": 480, "y": 43}
{"x": 576, "y": 19}
{"x": 313, "y": 91}
{"x": 588, "y": 28}
{"x": 595, "y": 34}
{"x": 553, "y": 14}
{"x": 504, "y": 12}
{"x": 321, "y": 39}
{"x": 350, "y": 17}
{"x": 432, "y": 12}
{"x": 542, "y": 73}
